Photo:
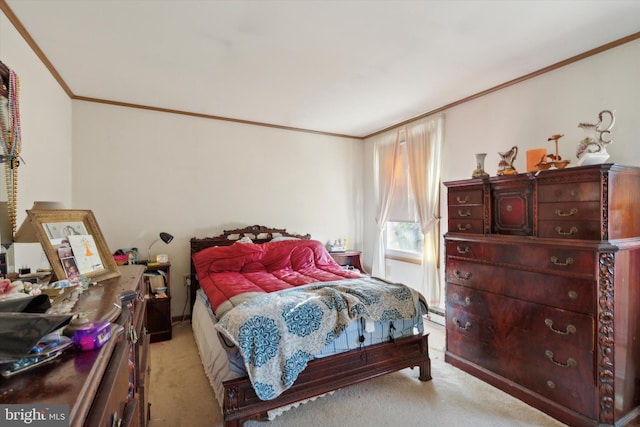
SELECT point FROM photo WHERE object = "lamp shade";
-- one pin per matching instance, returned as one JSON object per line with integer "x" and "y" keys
{"x": 166, "y": 237}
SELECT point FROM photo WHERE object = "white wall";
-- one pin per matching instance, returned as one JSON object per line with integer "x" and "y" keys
{"x": 525, "y": 115}
{"x": 142, "y": 172}
{"x": 45, "y": 112}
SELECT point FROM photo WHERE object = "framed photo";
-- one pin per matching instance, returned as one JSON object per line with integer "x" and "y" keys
{"x": 73, "y": 243}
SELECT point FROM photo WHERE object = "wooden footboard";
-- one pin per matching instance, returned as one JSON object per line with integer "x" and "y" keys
{"x": 328, "y": 374}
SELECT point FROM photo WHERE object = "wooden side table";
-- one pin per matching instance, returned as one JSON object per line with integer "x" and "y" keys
{"x": 159, "y": 308}
{"x": 348, "y": 258}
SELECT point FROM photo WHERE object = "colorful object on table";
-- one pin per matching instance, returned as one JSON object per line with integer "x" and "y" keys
{"x": 92, "y": 335}
{"x": 534, "y": 157}
{"x": 505, "y": 166}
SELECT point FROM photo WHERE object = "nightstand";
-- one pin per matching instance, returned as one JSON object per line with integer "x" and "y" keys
{"x": 158, "y": 307}
{"x": 348, "y": 259}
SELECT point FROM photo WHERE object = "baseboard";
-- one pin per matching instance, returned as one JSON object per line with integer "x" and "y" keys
{"x": 436, "y": 315}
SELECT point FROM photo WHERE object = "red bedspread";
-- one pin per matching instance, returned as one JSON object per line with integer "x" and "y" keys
{"x": 232, "y": 274}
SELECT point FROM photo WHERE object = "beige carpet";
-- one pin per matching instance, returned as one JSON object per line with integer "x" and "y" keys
{"x": 181, "y": 396}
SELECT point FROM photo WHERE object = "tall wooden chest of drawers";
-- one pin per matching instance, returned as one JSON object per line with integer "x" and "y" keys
{"x": 543, "y": 289}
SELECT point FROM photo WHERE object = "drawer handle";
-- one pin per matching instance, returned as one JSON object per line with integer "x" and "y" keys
{"x": 133, "y": 335}
{"x": 551, "y": 384}
{"x": 463, "y": 214}
{"x": 555, "y": 261}
{"x": 462, "y": 250}
{"x": 570, "y": 328}
{"x": 464, "y": 227}
{"x": 459, "y": 275}
{"x": 570, "y": 361}
{"x": 456, "y": 298}
{"x": 571, "y": 231}
{"x": 116, "y": 421}
{"x": 573, "y": 295}
{"x": 462, "y": 201}
{"x": 466, "y": 326}
{"x": 572, "y": 212}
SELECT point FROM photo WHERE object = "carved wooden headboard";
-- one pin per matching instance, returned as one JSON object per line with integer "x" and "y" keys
{"x": 257, "y": 233}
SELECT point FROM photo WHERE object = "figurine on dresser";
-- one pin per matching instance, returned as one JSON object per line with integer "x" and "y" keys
{"x": 505, "y": 166}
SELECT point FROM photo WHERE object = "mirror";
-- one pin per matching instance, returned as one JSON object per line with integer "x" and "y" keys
{"x": 74, "y": 244}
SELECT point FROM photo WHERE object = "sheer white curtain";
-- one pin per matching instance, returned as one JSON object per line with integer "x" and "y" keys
{"x": 424, "y": 148}
{"x": 385, "y": 152}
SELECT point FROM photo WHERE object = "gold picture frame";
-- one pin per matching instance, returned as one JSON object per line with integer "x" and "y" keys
{"x": 73, "y": 243}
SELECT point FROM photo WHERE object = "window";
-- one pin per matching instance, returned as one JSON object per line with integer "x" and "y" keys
{"x": 403, "y": 240}
{"x": 403, "y": 235}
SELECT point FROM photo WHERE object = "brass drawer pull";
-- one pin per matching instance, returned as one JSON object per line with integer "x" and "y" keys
{"x": 551, "y": 384}
{"x": 570, "y": 361}
{"x": 572, "y": 212}
{"x": 464, "y": 227}
{"x": 133, "y": 335}
{"x": 571, "y": 231}
{"x": 463, "y": 214}
{"x": 462, "y": 201}
{"x": 570, "y": 328}
{"x": 555, "y": 261}
{"x": 462, "y": 250}
{"x": 573, "y": 294}
{"x": 456, "y": 298}
{"x": 459, "y": 275}
{"x": 466, "y": 326}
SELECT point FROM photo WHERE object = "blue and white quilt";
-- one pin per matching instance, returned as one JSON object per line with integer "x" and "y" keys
{"x": 279, "y": 333}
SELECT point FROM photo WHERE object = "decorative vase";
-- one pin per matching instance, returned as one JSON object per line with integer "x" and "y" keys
{"x": 479, "y": 171}
{"x": 592, "y": 149}
{"x": 505, "y": 166}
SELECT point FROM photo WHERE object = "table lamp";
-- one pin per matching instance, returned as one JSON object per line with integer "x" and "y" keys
{"x": 165, "y": 237}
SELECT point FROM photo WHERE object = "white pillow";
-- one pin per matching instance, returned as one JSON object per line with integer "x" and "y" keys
{"x": 281, "y": 238}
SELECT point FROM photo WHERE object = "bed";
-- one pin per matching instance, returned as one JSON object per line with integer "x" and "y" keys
{"x": 268, "y": 268}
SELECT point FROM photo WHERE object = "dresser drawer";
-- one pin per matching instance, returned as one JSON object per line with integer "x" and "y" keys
{"x": 552, "y": 290}
{"x": 474, "y": 226}
{"x": 523, "y": 323}
{"x": 580, "y": 230}
{"x": 115, "y": 389}
{"x": 566, "y": 211}
{"x": 465, "y": 197}
{"x": 531, "y": 256}
{"x": 572, "y": 191}
{"x": 466, "y": 212}
{"x": 546, "y": 350}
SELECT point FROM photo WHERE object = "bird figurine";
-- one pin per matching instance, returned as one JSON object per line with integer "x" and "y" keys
{"x": 555, "y": 160}
{"x": 505, "y": 166}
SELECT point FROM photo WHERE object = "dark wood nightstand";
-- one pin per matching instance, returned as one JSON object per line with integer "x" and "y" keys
{"x": 348, "y": 258}
{"x": 159, "y": 308}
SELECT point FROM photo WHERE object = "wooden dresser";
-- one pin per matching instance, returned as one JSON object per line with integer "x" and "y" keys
{"x": 104, "y": 387}
{"x": 543, "y": 289}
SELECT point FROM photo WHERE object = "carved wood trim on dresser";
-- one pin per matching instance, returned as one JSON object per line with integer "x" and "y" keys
{"x": 543, "y": 292}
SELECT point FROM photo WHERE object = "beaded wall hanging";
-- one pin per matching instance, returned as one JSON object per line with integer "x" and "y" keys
{"x": 10, "y": 137}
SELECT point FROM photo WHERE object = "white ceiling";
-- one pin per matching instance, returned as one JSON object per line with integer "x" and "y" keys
{"x": 344, "y": 67}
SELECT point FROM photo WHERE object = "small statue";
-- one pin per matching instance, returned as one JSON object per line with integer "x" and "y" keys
{"x": 505, "y": 166}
